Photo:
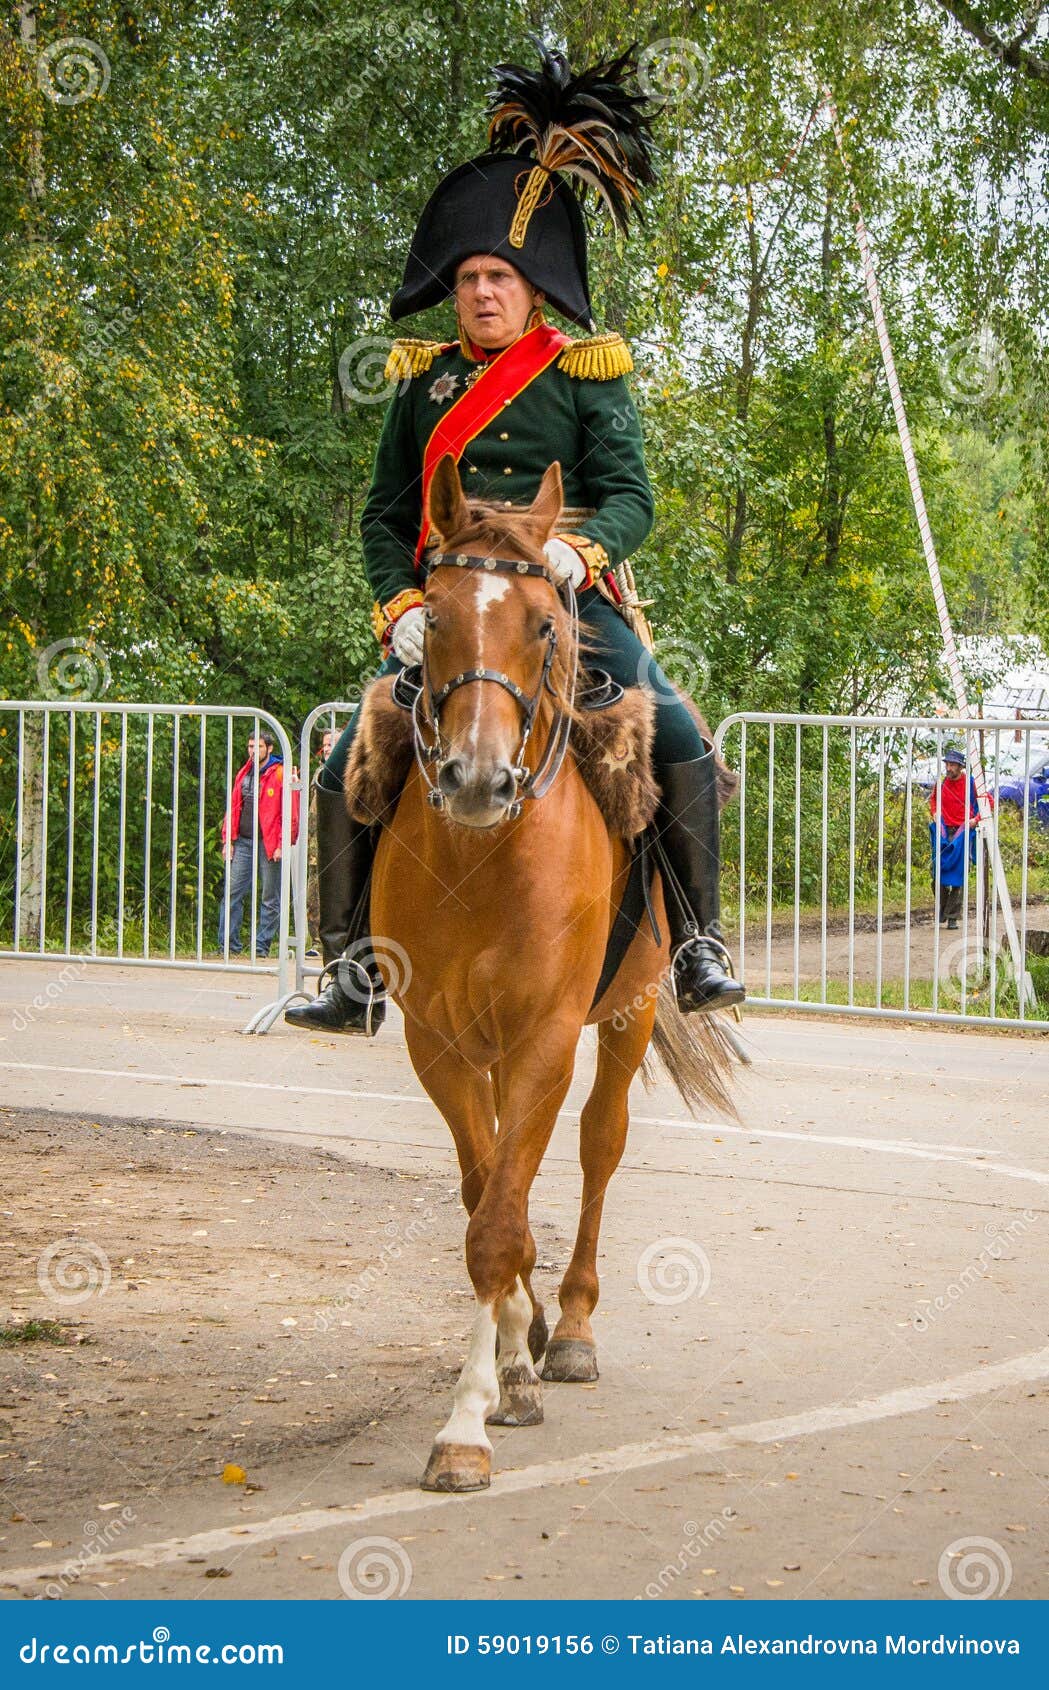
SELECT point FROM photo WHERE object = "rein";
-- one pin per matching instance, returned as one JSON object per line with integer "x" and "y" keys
{"x": 531, "y": 783}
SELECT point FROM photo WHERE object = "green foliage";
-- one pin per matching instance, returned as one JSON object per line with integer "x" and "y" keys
{"x": 33, "y": 1332}
{"x": 193, "y": 258}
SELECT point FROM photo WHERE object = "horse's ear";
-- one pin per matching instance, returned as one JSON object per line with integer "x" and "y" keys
{"x": 448, "y": 508}
{"x": 546, "y": 506}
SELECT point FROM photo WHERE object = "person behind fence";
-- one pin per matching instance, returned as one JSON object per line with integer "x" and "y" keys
{"x": 953, "y": 806}
{"x": 251, "y": 828}
{"x": 501, "y": 237}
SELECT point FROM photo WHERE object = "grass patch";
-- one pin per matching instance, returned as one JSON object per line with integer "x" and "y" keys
{"x": 948, "y": 998}
{"x": 33, "y": 1332}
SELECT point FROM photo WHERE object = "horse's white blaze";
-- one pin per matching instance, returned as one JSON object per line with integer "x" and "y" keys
{"x": 515, "y": 1317}
{"x": 489, "y": 589}
{"x": 477, "y": 1392}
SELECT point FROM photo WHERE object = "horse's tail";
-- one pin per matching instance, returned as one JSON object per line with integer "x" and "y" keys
{"x": 697, "y": 1052}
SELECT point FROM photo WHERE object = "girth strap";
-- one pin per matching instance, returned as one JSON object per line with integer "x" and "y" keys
{"x": 635, "y": 905}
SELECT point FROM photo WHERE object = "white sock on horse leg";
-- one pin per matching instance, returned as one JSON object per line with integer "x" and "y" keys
{"x": 477, "y": 1390}
{"x": 515, "y": 1319}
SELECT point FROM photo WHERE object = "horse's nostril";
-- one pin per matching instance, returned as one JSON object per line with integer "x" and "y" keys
{"x": 503, "y": 785}
{"x": 451, "y": 776}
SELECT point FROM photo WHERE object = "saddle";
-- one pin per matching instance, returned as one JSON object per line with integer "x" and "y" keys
{"x": 611, "y": 742}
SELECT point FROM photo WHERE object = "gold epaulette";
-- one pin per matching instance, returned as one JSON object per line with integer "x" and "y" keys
{"x": 598, "y": 358}
{"x": 413, "y": 357}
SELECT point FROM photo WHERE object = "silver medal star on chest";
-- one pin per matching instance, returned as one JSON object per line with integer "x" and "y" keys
{"x": 443, "y": 388}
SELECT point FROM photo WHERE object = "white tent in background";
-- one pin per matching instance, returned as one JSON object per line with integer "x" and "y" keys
{"x": 1009, "y": 674}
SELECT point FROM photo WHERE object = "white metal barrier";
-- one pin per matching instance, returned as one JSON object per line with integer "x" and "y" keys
{"x": 109, "y": 819}
{"x": 832, "y": 866}
{"x": 331, "y": 717}
{"x": 109, "y": 848}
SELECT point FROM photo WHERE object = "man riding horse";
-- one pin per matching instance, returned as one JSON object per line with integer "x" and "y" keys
{"x": 502, "y": 235}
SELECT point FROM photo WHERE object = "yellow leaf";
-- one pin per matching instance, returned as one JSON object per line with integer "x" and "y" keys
{"x": 232, "y": 1474}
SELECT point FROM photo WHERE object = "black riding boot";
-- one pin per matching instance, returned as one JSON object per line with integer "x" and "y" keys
{"x": 354, "y": 1000}
{"x": 689, "y": 834}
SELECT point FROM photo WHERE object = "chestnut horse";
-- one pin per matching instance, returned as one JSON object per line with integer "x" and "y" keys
{"x": 503, "y": 905}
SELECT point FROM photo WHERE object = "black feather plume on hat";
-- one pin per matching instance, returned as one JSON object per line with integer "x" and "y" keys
{"x": 591, "y": 127}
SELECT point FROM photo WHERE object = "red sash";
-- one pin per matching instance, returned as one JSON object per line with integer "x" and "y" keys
{"x": 504, "y": 378}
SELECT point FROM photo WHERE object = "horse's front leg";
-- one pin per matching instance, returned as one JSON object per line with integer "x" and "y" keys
{"x": 531, "y": 1087}
{"x": 571, "y": 1356}
{"x": 520, "y": 1388}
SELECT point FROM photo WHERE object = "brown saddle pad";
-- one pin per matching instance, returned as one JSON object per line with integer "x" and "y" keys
{"x": 612, "y": 747}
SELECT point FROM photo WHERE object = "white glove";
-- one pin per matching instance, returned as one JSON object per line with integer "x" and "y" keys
{"x": 407, "y": 636}
{"x": 564, "y": 562}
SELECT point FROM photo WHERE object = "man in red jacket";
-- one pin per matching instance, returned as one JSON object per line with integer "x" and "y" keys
{"x": 255, "y": 803}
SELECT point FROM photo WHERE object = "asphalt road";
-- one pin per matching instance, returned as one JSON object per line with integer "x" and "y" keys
{"x": 831, "y": 1378}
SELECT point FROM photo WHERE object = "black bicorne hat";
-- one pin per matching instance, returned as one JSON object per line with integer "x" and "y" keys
{"x": 553, "y": 135}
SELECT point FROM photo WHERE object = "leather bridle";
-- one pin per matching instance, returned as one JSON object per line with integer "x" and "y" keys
{"x": 433, "y": 754}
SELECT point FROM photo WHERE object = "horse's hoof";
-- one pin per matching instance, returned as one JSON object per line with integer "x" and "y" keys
{"x": 458, "y": 1467}
{"x": 570, "y": 1361}
{"x": 520, "y": 1399}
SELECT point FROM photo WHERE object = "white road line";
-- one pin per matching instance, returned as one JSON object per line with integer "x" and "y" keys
{"x": 910, "y": 1399}
{"x": 899, "y": 1147}
{"x": 872, "y": 1070}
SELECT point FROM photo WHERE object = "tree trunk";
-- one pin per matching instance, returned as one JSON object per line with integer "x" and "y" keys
{"x": 35, "y": 169}
{"x": 30, "y": 866}
{"x": 833, "y": 490}
{"x": 341, "y": 511}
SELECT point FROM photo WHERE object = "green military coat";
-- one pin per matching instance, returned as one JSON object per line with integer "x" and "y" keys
{"x": 578, "y": 411}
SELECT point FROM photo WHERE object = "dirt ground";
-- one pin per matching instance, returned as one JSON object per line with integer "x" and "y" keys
{"x": 225, "y": 1304}
{"x": 920, "y": 948}
{"x": 843, "y": 1393}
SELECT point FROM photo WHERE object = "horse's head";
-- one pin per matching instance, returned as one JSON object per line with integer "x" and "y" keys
{"x": 510, "y": 625}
